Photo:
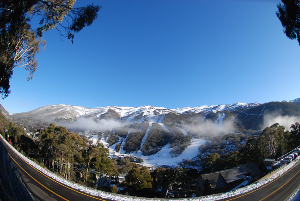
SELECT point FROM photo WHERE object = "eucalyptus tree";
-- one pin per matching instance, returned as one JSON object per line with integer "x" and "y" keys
{"x": 289, "y": 16}
{"x": 49, "y": 145}
{"x": 271, "y": 140}
{"x": 21, "y": 39}
{"x": 139, "y": 178}
{"x": 294, "y": 137}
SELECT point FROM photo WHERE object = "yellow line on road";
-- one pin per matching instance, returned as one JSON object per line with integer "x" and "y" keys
{"x": 281, "y": 186}
{"x": 259, "y": 187}
{"x": 54, "y": 181}
{"x": 37, "y": 180}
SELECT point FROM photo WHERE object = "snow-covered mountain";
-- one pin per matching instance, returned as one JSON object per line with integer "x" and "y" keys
{"x": 156, "y": 132}
{"x": 70, "y": 112}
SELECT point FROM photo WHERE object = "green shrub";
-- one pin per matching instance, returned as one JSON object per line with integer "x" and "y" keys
{"x": 114, "y": 189}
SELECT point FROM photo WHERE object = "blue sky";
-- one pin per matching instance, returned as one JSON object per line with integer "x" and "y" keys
{"x": 165, "y": 53}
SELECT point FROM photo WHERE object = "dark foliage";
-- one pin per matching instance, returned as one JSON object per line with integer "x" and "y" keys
{"x": 157, "y": 138}
{"x": 179, "y": 143}
{"x": 19, "y": 42}
{"x": 294, "y": 136}
{"x": 110, "y": 114}
{"x": 173, "y": 119}
{"x": 289, "y": 16}
{"x": 139, "y": 178}
{"x": 134, "y": 140}
{"x": 273, "y": 142}
{"x": 253, "y": 118}
{"x": 113, "y": 138}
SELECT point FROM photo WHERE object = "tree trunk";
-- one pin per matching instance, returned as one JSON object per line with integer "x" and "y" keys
{"x": 53, "y": 165}
{"x": 69, "y": 166}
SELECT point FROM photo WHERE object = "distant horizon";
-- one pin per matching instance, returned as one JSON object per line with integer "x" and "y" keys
{"x": 170, "y": 54}
{"x": 296, "y": 99}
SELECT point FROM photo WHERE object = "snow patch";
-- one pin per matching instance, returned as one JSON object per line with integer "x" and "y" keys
{"x": 164, "y": 127}
{"x": 220, "y": 118}
{"x": 146, "y": 135}
{"x": 163, "y": 157}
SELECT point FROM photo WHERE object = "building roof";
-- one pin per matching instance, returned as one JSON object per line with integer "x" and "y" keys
{"x": 215, "y": 179}
{"x": 222, "y": 178}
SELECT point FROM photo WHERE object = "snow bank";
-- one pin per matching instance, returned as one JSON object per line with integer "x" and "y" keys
{"x": 295, "y": 196}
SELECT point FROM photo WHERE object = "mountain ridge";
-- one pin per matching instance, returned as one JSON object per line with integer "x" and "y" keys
{"x": 196, "y": 109}
{"x": 147, "y": 130}
{"x": 68, "y": 113}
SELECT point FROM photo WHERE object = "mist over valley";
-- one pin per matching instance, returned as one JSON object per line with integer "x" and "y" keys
{"x": 149, "y": 131}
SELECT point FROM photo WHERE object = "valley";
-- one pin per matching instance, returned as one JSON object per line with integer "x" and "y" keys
{"x": 113, "y": 142}
{"x": 156, "y": 134}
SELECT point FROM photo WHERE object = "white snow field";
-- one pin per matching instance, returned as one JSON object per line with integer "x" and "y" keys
{"x": 163, "y": 157}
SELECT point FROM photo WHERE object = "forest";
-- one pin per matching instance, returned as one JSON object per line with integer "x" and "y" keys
{"x": 75, "y": 158}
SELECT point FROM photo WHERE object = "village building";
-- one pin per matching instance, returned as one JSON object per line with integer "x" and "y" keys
{"x": 226, "y": 180}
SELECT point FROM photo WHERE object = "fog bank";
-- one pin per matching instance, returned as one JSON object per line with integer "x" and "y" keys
{"x": 102, "y": 125}
{"x": 285, "y": 121}
{"x": 208, "y": 127}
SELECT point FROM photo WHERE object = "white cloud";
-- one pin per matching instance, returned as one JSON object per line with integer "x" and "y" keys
{"x": 285, "y": 121}
{"x": 207, "y": 127}
{"x": 94, "y": 125}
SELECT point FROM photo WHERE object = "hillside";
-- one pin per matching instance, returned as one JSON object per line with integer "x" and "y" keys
{"x": 149, "y": 131}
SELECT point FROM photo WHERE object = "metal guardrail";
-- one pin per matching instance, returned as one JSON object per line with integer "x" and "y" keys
{"x": 285, "y": 155}
{"x": 278, "y": 161}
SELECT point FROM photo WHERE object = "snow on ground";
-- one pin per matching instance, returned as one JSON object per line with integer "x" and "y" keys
{"x": 147, "y": 110}
{"x": 94, "y": 139}
{"x": 193, "y": 109}
{"x": 102, "y": 140}
{"x": 146, "y": 135}
{"x": 220, "y": 119}
{"x": 295, "y": 196}
{"x": 161, "y": 119}
{"x": 131, "y": 117}
{"x": 124, "y": 140}
{"x": 213, "y": 108}
{"x": 79, "y": 111}
{"x": 163, "y": 157}
{"x": 164, "y": 127}
{"x": 125, "y": 111}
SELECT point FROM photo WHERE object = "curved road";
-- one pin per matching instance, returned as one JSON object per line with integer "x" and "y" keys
{"x": 279, "y": 189}
{"x": 45, "y": 188}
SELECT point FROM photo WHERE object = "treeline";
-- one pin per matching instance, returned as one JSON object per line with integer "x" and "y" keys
{"x": 272, "y": 143}
{"x": 75, "y": 158}
{"x": 131, "y": 137}
{"x": 157, "y": 138}
{"x": 134, "y": 140}
{"x": 223, "y": 144}
{"x": 64, "y": 152}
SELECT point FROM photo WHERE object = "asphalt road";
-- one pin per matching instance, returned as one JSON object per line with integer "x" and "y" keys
{"x": 44, "y": 188}
{"x": 279, "y": 189}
